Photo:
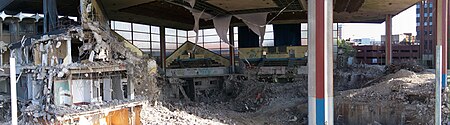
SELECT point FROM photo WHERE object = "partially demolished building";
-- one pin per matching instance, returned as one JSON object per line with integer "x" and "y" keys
{"x": 82, "y": 73}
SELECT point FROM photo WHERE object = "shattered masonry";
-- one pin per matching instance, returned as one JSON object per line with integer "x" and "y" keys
{"x": 83, "y": 74}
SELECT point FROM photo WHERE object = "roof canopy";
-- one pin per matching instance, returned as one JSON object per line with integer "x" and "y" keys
{"x": 171, "y": 13}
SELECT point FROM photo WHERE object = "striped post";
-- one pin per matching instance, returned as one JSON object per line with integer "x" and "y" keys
{"x": 320, "y": 62}
{"x": 441, "y": 55}
{"x": 388, "y": 40}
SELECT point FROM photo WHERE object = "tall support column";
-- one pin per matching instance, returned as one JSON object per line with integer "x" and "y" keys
{"x": 320, "y": 62}
{"x": 162, "y": 45}
{"x": 12, "y": 74}
{"x": 232, "y": 58}
{"x": 46, "y": 15}
{"x": 441, "y": 55}
{"x": 388, "y": 40}
{"x": 1, "y": 39}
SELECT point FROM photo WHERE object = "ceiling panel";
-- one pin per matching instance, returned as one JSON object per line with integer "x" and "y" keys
{"x": 233, "y": 5}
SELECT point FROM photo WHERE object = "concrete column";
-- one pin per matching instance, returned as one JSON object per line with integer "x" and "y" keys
{"x": 388, "y": 40}
{"x": 320, "y": 62}
{"x": 441, "y": 54}
{"x": 12, "y": 73}
{"x": 1, "y": 39}
{"x": 46, "y": 15}
{"x": 232, "y": 59}
{"x": 162, "y": 45}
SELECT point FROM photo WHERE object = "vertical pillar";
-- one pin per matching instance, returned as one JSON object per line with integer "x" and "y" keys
{"x": 320, "y": 62}
{"x": 1, "y": 39}
{"x": 441, "y": 54}
{"x": 232, "y": 58}
{"x": 46, "y": 15}
{"x": 12, "y": 74}
{"x": 388, "y": 40}
{"x": 162, "y": 45}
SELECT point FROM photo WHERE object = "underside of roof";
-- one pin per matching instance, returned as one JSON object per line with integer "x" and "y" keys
{"x": 173, "y": 13}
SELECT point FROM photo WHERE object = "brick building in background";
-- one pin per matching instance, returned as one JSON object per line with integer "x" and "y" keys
{"x": 375, "y": 54}
{"x": 425, "y": 30}
{"x": 404, "y": 48}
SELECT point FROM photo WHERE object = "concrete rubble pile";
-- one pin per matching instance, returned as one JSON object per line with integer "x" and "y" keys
{"x": 356, "y": 76}
{"x": 404, "y": 97}
{"x": 248, "y": 102}
{"x": 156, "y": 114}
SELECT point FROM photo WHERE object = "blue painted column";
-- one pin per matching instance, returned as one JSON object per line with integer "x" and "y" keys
{"x": 320, "y": 62}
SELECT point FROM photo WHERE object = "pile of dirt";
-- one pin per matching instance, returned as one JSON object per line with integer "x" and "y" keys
{"x": 409, "y": 94}
{"x": 356, "y": 76}
{"x": 411, "y": 66}
{"x": 156, "y": 114}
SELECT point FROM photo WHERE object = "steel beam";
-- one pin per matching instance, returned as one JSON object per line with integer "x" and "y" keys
{"x": 320, "y": 62}
{"x": 388, "y": 40}
{"x": 232, "y": 58}
{"x": 162, "y": 45}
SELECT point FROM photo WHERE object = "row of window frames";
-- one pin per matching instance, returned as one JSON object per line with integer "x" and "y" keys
{"x": 426, "y": 5}
{"x": 424, "y": 10}
{"x": 424, "y": 15}
{"x": 425, "y": 23}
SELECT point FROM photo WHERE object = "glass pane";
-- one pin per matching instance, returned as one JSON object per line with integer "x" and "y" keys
{"x": 192, "y": 39}
{"x": 304, "y": 42}
{"x": 155, "y": 45}
{"x": 142, "y": 44}
{"x": 155, "y": 29}
{"x": 268, "y": 35}
{"x": 212, "y": 39}
{"x": 170, "y": 31}
{"x": 181, "y": 33}
{"x": 171, "y": 39}
{"x": 182, "y": 39}
{"x": 191, "y": 33}
{"x": 304, "y": 26}
{"x": 126, "y": 35}
{"x": 269, "y": 28}
{"x": 141, "y": 28}
{"x": 212, "y": 46}
{"x": 122, "y": 25}
{"x": 304, "y": 34}
{"x": 268, "y": 43}
{"x": 156, "y": 38}
{"x": 141, "y": 36}
{"x": 210, "y": 32}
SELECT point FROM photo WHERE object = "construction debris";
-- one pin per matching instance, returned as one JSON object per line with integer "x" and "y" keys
{"x": 404, "y": 97}
{"x": 411, "y": 66}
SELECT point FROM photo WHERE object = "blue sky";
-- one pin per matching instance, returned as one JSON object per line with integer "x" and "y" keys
{"x": 405, "y": 22}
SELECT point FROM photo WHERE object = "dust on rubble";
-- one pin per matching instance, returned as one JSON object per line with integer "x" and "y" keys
{"x": 408, "y": 94}
{"x": 252, "y": 102}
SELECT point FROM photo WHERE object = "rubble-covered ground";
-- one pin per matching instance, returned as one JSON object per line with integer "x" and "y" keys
{"x": 405, "y": 93}
{"x": 409, "y": 94}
